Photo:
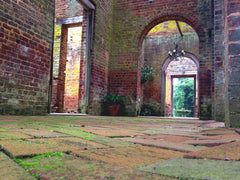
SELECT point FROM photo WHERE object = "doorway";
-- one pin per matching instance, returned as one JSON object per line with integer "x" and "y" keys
{"x": 183, "y": 93}
{"x": 72, "y": 72}
{"x": 180, "y": 85}
{"x": 73, "y": 34}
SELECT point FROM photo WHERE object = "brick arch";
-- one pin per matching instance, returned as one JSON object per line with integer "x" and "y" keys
{"x": 163, "y": 83}
{"x": 157, "y": 20}
{"x": 192, "y": 21}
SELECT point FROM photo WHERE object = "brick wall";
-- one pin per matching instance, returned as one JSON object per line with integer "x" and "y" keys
{"x": 25, "y": 55}
{"x": 132, "y": 20}
{"x": 232, "y": 57}
{"x": 219, "y": 57}
{"x": 100, "y": 55}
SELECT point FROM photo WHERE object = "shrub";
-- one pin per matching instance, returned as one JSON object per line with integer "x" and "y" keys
{"x": 149, "y": 110}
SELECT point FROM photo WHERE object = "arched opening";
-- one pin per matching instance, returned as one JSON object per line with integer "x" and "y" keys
{"x": 180, "y": 82}
{"x": 161, "y": 39}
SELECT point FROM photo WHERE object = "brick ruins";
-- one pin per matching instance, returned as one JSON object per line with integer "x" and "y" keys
{"x": 37, "y": 60}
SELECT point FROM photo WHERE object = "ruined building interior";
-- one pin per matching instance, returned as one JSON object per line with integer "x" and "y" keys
{"x": 65, "y": 55}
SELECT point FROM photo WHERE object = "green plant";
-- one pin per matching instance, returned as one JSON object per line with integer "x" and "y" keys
{"x": 183, "y": 97}
{"x": 147, "y": 74}
{"x": 113, "y": 98}
{"x": 149, "y": 109}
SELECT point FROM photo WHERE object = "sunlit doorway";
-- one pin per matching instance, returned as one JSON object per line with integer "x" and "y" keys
{"x": 181, "y": 87}
{"x": 183, "y": 93}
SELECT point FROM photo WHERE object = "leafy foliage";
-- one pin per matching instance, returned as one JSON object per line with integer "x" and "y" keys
{"x": 147, "y": 74}
{"x": 113, "y": 98}
{"x": 183, "y": 97}
{"x": 149, "y": 109}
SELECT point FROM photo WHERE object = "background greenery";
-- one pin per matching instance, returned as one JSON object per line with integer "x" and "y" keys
{"x": 183, "y": 97}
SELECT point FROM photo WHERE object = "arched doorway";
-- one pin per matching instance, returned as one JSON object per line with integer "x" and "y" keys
{"x": 180, "y": 87}
{"x": 161, "y": 39}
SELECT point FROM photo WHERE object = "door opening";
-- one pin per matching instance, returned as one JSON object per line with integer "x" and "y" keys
{"x": 183, "y": 93}
{"x": 72, "y": 72}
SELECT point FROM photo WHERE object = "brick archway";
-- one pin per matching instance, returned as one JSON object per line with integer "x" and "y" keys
{"x": 204, "y": 57}
{"x": 158, "y": 20}
{"x": 142, "y": 93}
{"x": 164, "y": 79}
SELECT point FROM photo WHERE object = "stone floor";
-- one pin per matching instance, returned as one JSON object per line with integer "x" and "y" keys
{"x": 97, "y": 147}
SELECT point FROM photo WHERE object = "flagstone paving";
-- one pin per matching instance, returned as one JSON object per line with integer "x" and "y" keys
{"x": 31, "y": 147}
{"x": 229, "y": 151}
{"x": 132, "y": 156}
{"x": 196, "y": 169}
{"x": 98, "y": 147}
{"x": 165, "y": 144}
{"x": 9, "y": 170}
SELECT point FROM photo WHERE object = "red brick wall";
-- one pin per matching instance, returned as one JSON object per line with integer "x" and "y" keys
{"x": 25, "y": 55}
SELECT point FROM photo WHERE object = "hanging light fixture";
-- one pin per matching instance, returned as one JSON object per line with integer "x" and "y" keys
{"x": 175, "y": 54}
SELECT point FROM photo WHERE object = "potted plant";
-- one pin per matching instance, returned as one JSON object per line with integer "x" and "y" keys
{"x": 113, "y": 102}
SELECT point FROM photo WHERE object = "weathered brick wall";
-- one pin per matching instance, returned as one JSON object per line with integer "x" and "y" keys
{"x": 100, "y": 55}
{"x": 232, "y": 59}
{"x": 67, "y": 8}
{"x": 219, "y": 57}
{"x": 132, "y": 20}
{"x": 25, "y": 55}
{"x": 227, "y": 56}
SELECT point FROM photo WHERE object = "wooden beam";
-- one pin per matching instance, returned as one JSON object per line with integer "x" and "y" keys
{"x": 87, "y": 4}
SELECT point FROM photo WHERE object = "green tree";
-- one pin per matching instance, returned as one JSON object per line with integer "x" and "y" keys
{"x": 183, "y": 96}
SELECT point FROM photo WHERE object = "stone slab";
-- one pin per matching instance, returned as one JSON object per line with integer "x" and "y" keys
{"x": 113, "y": 132}
{"x": 196, "y": 169}
{"x": 77, "y": 132}
{"x": 165, "y": 144}
{"x": 9, "y": 170}
{"x": 73, "y": 167}
{"x": 13, "y": 135}
{"x": 42, "y": 133}
{"x": 211, "y": 141}
{"x": 171, "y": 132}
{"x": 165, "y": 137}
{"x": 129, "y": 156}
{"x": 225, "y": 151}
{"x": 39, "y": 146}
{"x": 218, "y": 131}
